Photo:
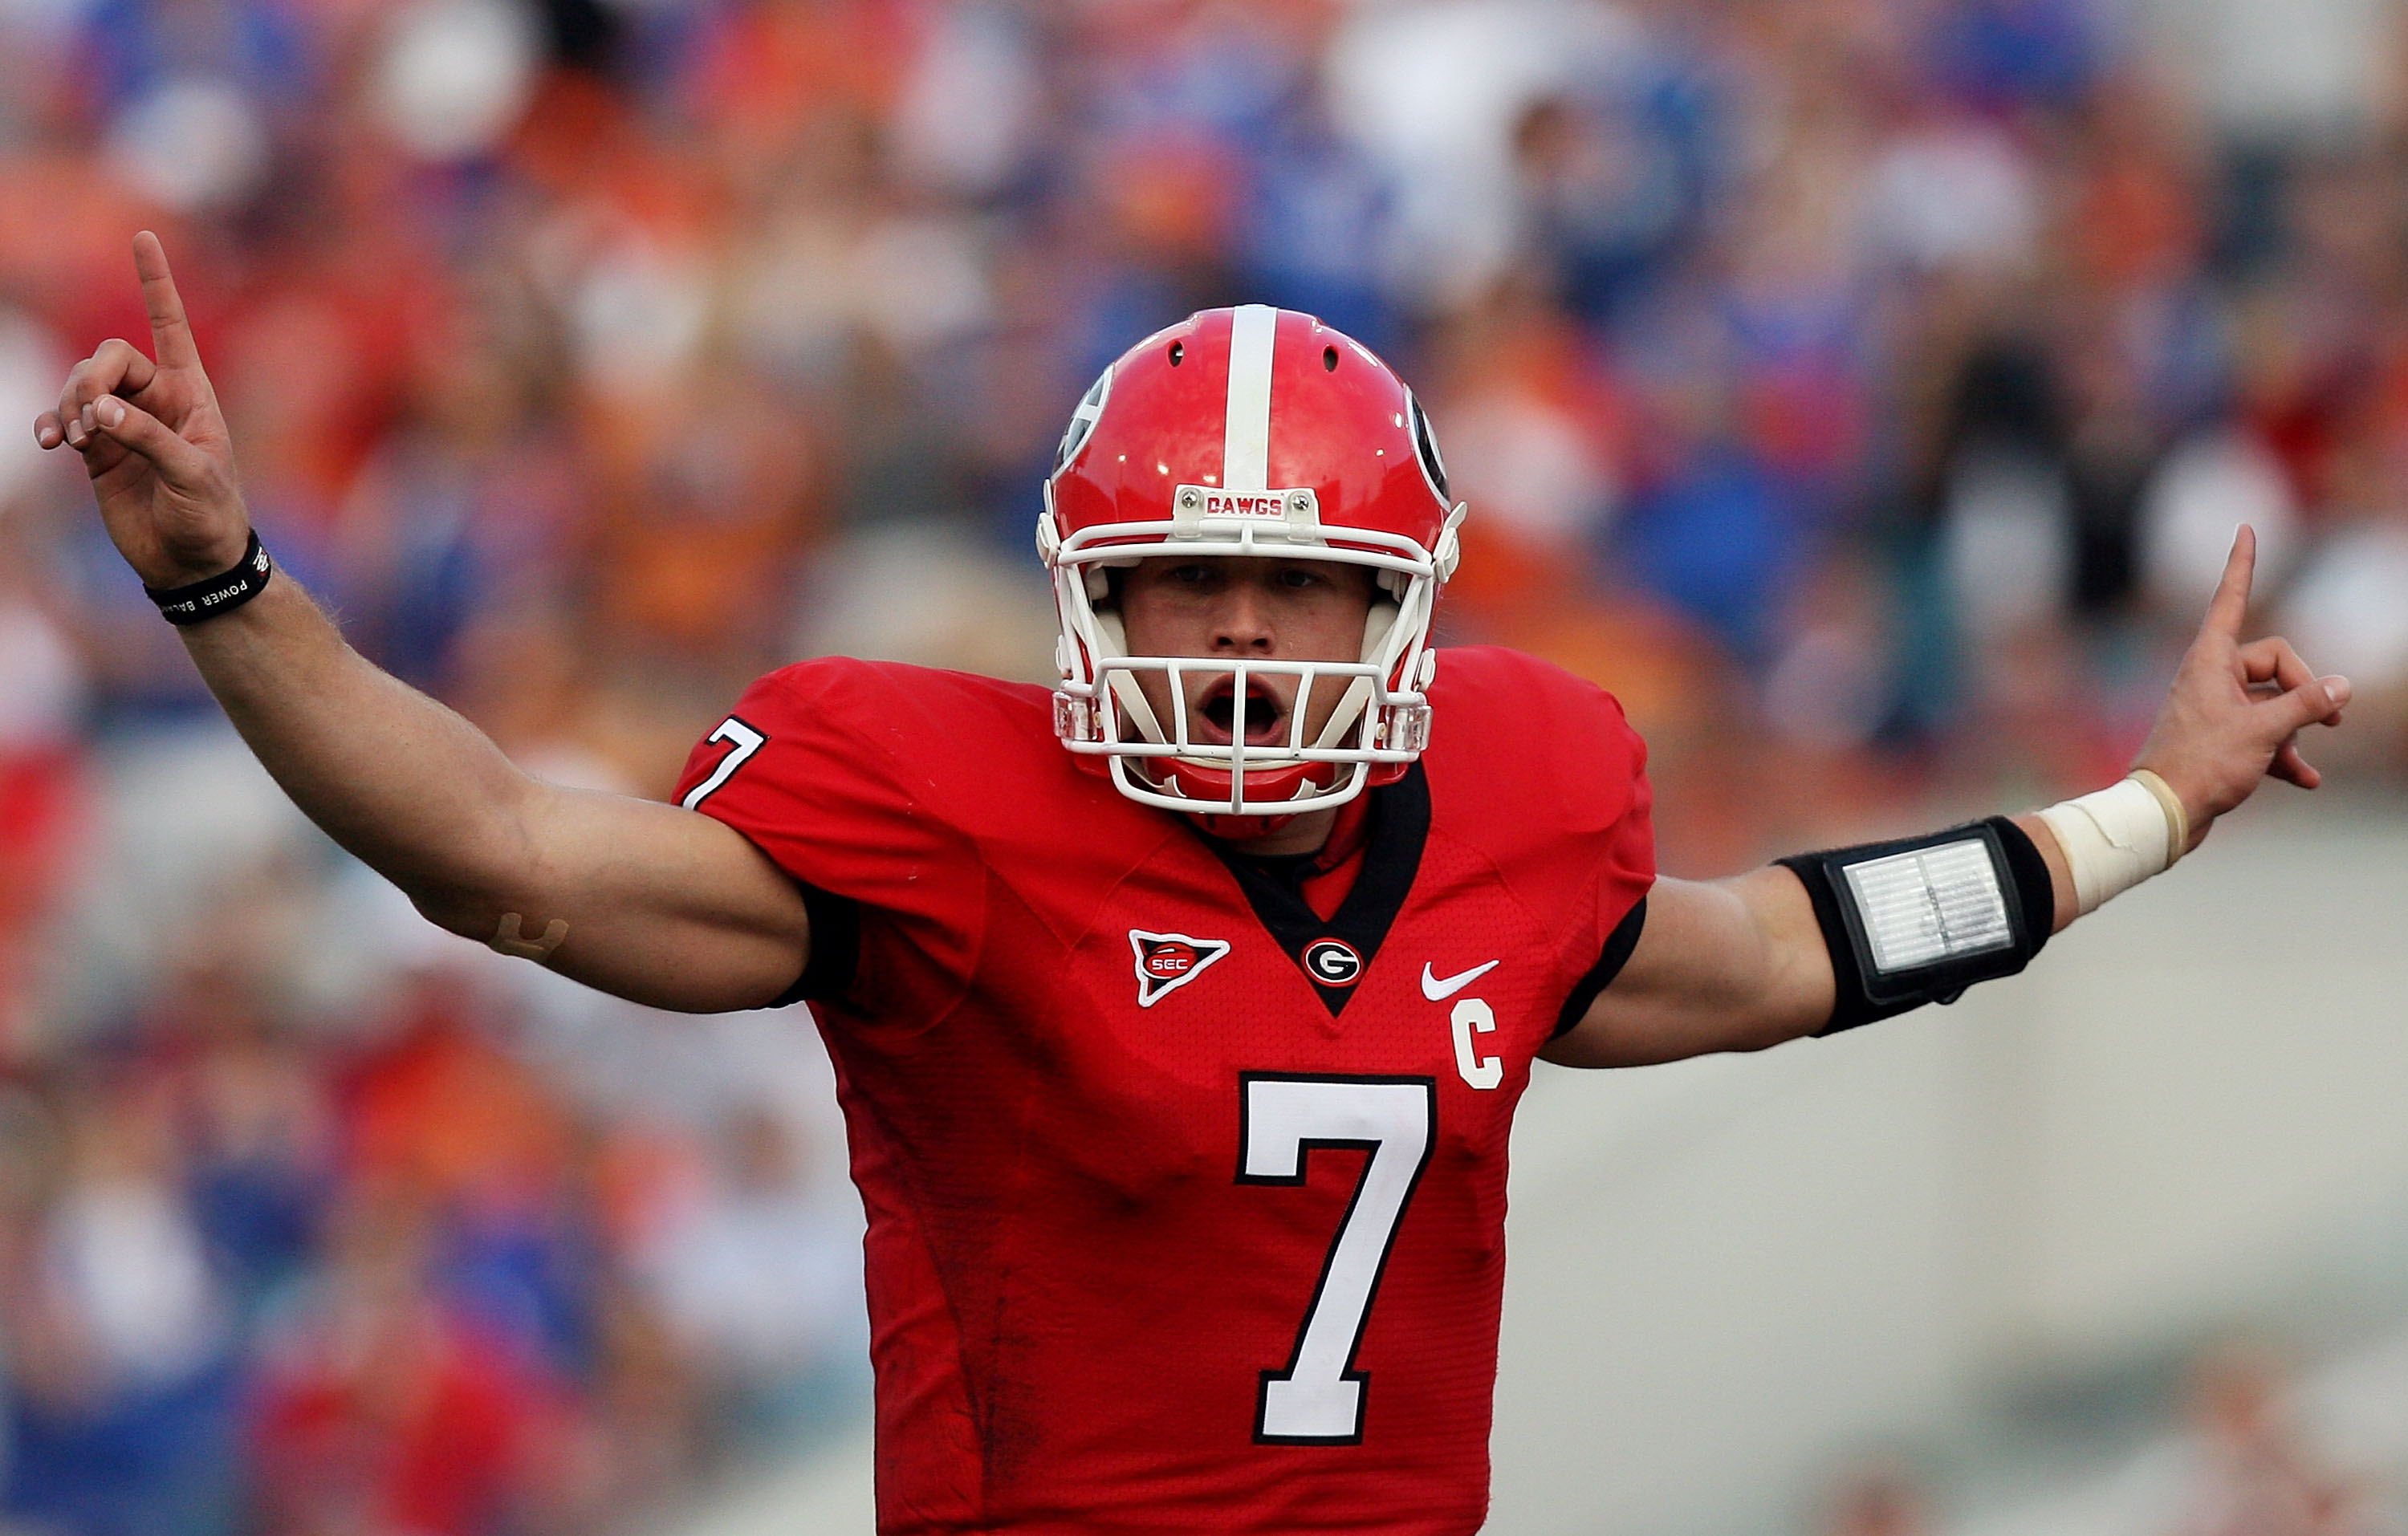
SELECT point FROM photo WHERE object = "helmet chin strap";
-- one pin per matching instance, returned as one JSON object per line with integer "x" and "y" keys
{"x": 1123, "y": 684}
{"x": 1377, "y": 626}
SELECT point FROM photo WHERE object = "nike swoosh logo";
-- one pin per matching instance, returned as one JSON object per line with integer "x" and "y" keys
{"x": 1439, "y": 991}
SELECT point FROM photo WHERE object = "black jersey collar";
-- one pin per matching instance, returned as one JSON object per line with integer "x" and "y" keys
{"x": 1392, "y": 857}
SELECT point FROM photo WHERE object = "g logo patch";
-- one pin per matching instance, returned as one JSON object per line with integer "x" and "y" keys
{"x": 1332, "y": 962}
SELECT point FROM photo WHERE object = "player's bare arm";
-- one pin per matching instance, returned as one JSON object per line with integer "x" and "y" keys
{"x": 651, "y": 903}
{"x": 1745, "y": 963}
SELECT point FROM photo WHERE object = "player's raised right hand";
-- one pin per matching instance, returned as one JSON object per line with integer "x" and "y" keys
{"x": 153, "y": 441}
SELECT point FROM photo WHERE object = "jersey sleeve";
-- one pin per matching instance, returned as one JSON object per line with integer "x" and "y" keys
{"x": 1627, "y": 850}
{"x": 1598, "y": 765}
{"x": 816, "y": 767}
{"x": 1623, "y": 850}
{"x": 1545, "y": 770}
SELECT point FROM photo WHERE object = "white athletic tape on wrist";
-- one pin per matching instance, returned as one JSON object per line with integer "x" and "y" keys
{"x": 2178, "y": 843}
{"x": 2113, "y": 840}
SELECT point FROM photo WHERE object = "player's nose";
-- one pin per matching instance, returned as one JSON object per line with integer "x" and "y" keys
{"x": 1242, "y": 621}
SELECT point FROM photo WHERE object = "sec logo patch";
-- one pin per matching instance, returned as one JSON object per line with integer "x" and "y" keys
{"x": 1167, "y": 961}
{"x": 1332, "y": 962}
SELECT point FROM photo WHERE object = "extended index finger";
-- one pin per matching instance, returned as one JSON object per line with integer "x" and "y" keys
{"x": 171, "y": 335}
{"x": 2230, "y": 604}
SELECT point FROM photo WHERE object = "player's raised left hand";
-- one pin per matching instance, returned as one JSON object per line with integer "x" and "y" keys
{"x": 2235, "y": 709}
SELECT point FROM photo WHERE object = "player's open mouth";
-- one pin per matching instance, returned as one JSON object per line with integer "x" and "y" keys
{"x": 1216, "y": 714}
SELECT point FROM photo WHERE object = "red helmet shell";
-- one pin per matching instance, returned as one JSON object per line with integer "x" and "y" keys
{"x": 1327, "y": 416}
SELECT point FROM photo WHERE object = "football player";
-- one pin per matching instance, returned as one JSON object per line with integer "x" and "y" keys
{"x": 1179, "y": 1013}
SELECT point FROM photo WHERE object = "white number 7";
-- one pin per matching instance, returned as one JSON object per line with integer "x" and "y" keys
{"x": 747, "y": 741}
{"x": 1317, "y": 1398}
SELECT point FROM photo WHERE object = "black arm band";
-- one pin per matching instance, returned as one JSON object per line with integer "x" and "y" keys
{"x": 188, "y": 605}
{"x": 1919, "y": 920}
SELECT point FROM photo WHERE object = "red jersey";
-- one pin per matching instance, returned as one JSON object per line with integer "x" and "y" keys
{"x": 1187, "y": 1205}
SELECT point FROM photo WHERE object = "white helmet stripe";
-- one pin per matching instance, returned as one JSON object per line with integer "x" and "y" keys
{"x": 1246, "y": 443}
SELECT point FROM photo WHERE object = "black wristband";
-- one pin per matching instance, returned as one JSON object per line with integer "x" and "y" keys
{"x": 1864, "y": 989}
{"x": 188, "y": 605}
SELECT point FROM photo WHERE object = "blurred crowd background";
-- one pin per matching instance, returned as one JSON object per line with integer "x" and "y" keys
{"x": 2254, "y": 1451}
{"x": 1866, "y": 391}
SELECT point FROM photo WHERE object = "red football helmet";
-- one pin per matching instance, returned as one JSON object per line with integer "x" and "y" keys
{"x": 1250, "y": 431}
